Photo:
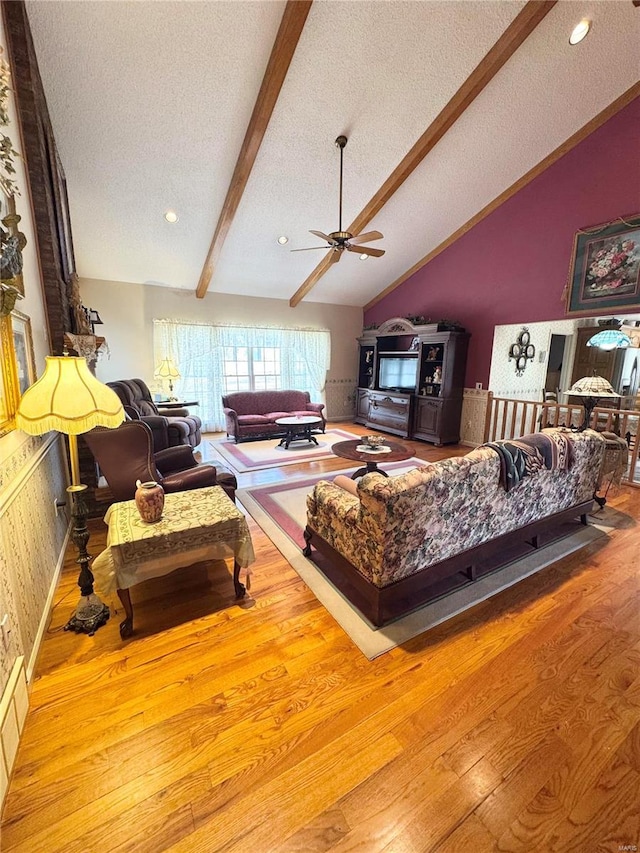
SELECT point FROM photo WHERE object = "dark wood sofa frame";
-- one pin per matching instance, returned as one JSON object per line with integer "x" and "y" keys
{"x": 381, "y": 605}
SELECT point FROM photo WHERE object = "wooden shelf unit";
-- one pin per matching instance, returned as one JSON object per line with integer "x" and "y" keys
{"x": 431, "y": 409}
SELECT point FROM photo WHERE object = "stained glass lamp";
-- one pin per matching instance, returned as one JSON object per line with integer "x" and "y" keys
{"x": 592, "y": 388}
{"x": 609, "y": 339}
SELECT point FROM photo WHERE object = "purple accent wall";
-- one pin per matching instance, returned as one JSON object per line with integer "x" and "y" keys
{"x": 512, "y": 267}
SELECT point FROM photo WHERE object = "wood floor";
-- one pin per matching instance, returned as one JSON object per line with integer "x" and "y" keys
{"x": 262, "y": 729}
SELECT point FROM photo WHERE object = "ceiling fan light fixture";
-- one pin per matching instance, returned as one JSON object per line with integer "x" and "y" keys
{"x": 171, "y": 216}
{"x": 580, "y": 31}
{"x": 340, "y": 241}
{"x": 283, "y": 240}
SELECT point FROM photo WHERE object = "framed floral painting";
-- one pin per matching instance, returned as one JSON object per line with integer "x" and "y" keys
{"x": 605, "y": 269}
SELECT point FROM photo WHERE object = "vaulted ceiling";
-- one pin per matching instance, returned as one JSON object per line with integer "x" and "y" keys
{"x": 151, "y": 102}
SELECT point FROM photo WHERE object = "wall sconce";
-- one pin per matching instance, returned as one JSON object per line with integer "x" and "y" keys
{"x": 522, "y": 351}
{"x": 94, "y": 319}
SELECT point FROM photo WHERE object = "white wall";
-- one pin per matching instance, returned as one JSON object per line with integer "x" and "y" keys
{"x": 128, "y": 310}
{"x": 503, "y": 380}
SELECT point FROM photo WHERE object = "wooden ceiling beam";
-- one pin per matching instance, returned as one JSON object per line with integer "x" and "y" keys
{"x": 291, "y": 26}
{"x": 515, "y": 34}
{"x": 538, "y": 169}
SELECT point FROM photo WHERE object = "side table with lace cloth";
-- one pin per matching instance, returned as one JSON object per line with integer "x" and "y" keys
{"x": 201, "y": 524}
{"x": 614, "y": 465}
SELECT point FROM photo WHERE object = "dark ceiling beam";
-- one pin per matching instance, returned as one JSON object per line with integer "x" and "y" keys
{"x": 538, "y": 169}
{"x": 291, "y": 26}
{"x": 515, "y": 34}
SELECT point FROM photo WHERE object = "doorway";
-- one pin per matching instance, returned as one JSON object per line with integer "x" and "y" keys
{"x": 557, "y": 362}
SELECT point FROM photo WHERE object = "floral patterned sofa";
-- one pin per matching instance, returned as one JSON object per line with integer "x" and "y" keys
{"x": 253, "y": 414}
{"x": 404, "y": 540}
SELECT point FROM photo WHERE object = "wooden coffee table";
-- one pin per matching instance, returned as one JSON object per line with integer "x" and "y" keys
{"x": 298, "y": 429}
{"x": 348, "y": 450}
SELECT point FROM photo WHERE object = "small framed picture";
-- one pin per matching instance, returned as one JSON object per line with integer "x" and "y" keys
{"x": 23, "y": 349}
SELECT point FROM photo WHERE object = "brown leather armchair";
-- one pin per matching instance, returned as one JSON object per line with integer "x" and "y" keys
{"x": 126, "y": 454}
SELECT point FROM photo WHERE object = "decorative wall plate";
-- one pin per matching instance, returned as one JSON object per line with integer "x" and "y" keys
{"x": 522, "y": 351}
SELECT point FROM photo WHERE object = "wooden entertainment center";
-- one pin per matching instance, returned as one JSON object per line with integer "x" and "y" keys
{"x": 411, "y": 380}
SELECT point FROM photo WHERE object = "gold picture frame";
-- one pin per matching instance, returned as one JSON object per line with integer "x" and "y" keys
{"x": 23, "y": 350}
{"x": 9, "y": 393}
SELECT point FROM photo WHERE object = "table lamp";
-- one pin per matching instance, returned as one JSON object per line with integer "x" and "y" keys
{"x": 68, "y": 398}
{"x": 592, "y": 388}
{"x": 167, "y": 370}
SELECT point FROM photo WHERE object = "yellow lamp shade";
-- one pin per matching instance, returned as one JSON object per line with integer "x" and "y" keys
{"x": 68, "y": 398}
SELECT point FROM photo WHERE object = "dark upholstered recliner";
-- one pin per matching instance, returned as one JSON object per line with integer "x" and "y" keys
{"x": 172, "y": 429}
{"x": 126, "y": 454}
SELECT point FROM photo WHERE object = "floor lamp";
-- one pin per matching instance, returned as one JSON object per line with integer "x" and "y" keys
{"x": 69, "y": 399}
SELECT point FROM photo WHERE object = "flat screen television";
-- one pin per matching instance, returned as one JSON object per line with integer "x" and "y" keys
{"x": 397, "y": 373}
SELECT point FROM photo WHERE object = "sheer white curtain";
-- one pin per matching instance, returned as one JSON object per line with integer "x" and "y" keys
{"x": 198, "y": 351}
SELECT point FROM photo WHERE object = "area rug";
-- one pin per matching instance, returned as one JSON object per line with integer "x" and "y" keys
{"x": 280, "y": 510}
{"x": 256, "y": 455}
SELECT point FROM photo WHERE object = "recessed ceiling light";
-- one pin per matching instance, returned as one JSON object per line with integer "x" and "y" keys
{"x": 171, "y": 216}
{"x": 363, "y": 257}
{"x": 580, "y": 31}
{"x": 282, "y": 240}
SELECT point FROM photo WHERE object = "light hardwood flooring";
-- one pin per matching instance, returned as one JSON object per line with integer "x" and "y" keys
{"x": 262, "y": 729}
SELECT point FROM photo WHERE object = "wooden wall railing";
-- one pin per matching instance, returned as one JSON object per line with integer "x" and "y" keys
{"x": 508, "y": 418}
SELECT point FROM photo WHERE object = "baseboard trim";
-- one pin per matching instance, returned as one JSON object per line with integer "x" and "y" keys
{"x": 48, "y": 607}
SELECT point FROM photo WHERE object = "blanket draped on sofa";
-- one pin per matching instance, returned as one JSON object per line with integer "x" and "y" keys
{"x": 525, "y": 456}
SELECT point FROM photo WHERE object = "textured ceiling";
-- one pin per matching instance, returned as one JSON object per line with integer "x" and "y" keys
{"x": 150, "y": 102}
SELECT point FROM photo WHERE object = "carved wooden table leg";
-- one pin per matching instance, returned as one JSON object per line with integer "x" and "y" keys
{"x": 126, "y": 626}
{"x": 239, "y": 587}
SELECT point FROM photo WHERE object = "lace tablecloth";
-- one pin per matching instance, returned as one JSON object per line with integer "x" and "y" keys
{"x": 202, "y": 524}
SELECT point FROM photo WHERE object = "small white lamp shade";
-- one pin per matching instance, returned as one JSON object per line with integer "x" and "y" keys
{"x": 166, "y": 370}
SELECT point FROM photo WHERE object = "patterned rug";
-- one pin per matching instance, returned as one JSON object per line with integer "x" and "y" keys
{"x": 280, "y": 510}
{"x": 255, "y": 455}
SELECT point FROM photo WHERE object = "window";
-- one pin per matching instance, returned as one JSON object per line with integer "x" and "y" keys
{"x": 217, "y": 360}
{"x": 251, "y": 369}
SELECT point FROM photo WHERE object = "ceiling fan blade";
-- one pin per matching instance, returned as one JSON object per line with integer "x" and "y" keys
{"x": 335, "y": 256}
{"x": 366, "y": 250}
{"x": 310, "y": 249}
{"x": 366, "y": 238}
{"x": 322, "y": 236}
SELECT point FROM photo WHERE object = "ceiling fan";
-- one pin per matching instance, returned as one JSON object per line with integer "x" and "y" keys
{"x": 340, "y": 240}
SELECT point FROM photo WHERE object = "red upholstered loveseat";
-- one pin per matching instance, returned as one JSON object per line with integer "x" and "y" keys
{"x": 252, "y": 414}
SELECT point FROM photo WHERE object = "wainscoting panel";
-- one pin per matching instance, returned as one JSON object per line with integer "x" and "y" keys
{"x": 474, "y": 408}
{"x": 31, "y": 541}
{"x": 14, "y": 704}
{"x": 340, "y": 397}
